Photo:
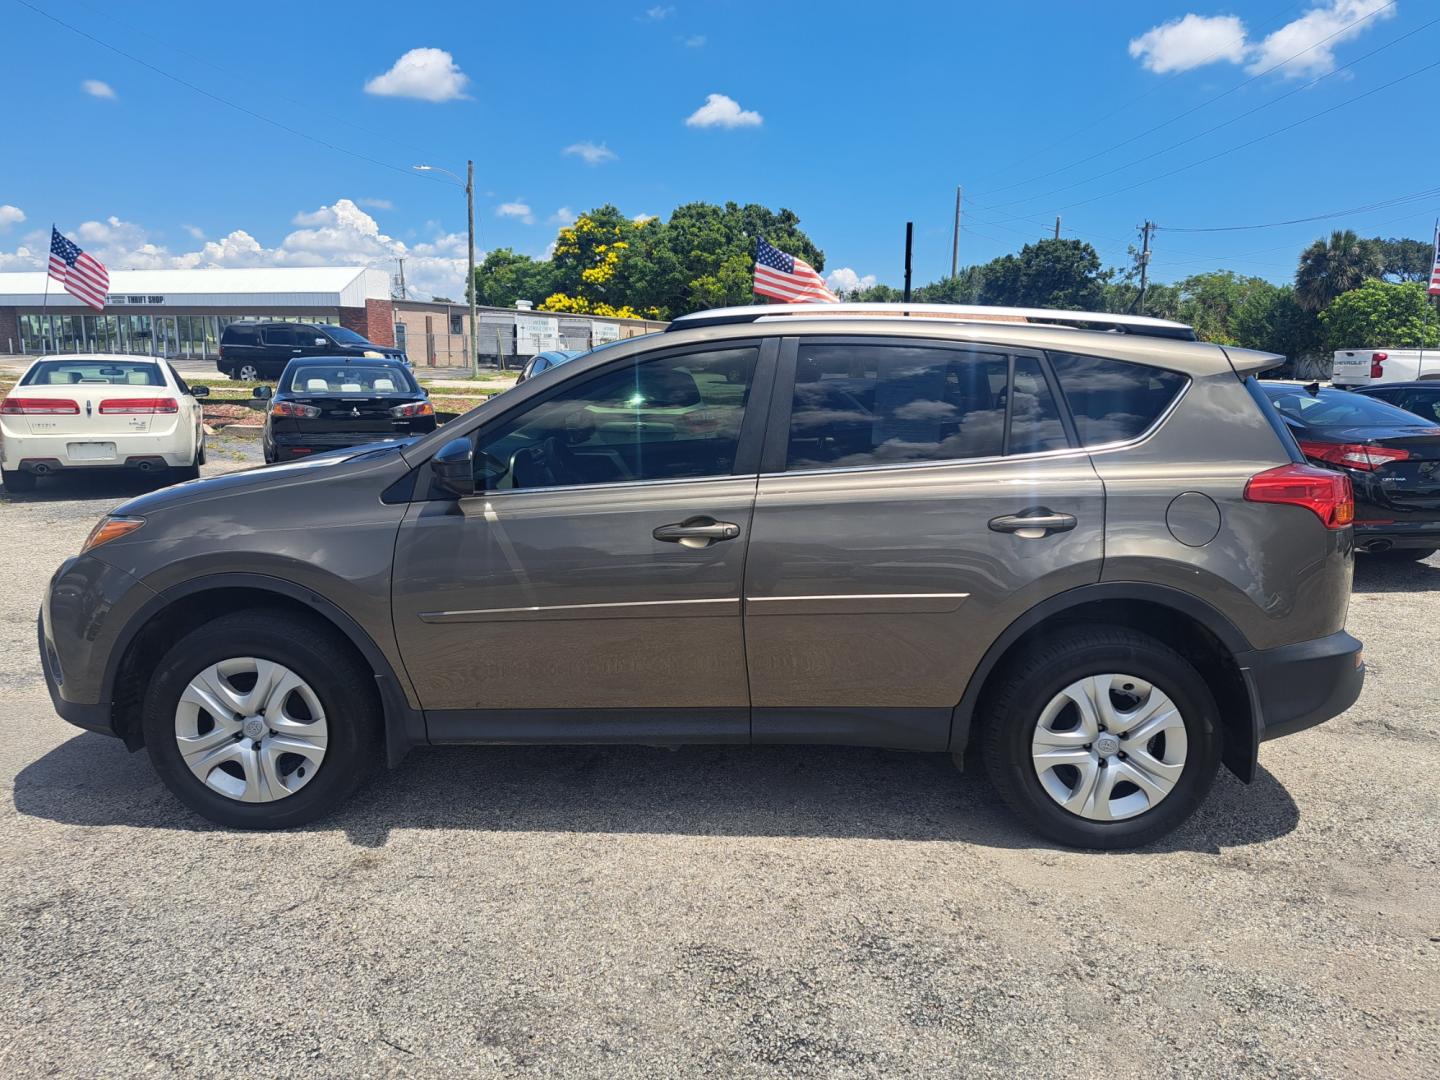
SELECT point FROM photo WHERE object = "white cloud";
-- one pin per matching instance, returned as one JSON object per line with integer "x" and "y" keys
{"x": 695, "y": 41}
{"x": 591, "y": 153}
{"x": 427, "y": 74}
{"x": 196, "y": 233}
{"x": 659, "y": 12}
{"x": 640, "y": 219}
{"x": 563, "y": 216}
{"x": 846, "y": 280}
{"x": 1310, "y": 29}
{"x": 376, "y": 204}
{"x": 1196, "y": 40}
{"x": 10, "y": 215}
{"x": 518, "y": 210}
{"x": 96, "y": 88}
{"x": 722, "y": 111}
{"x": 1190, "y": 42}
{"x": 340, "y": 234}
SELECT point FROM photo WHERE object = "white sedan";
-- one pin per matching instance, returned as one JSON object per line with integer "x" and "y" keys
{"x": 99, "y": 412}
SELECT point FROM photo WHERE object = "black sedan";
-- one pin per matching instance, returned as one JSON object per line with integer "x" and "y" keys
{"x": 1391, "y": 456}
{"x": 326, "y": 403}
{"x": 1419, "y": 397}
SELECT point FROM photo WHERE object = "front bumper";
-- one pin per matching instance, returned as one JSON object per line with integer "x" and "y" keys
{"x": 97, "y": 717}
{"x": 1298, "y": 686}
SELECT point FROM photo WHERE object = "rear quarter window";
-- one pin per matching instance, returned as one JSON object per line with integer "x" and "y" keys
{"x": 241, "y": 335}
{"x": 1114, "y": 400}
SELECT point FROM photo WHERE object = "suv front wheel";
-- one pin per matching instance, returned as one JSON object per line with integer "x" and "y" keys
{"x": 1101, "y": 737}
{"x": 261, "y": 720}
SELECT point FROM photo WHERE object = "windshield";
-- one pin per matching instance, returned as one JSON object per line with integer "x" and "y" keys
{"x": 1337, "y": 408}
{"x": 349, "y": 379}
{"x": 106, "y": 372}
{"x": 349, "y": 337}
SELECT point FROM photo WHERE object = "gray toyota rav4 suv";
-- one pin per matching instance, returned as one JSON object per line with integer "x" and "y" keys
{"x": 1081, "y": 545}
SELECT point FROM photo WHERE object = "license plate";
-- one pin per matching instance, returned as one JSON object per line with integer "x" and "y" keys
{"x": 90, "y": 451}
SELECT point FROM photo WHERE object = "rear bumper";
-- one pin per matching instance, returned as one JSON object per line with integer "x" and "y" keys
{"x": 285, "y": 447}
{"x": 1397, "y": 534}
{"x": 30, "y": 453}
{"x": 1298, "y": 686}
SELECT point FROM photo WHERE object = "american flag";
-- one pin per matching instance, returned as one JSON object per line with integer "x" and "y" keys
{"x": 787, "y": 278}
{"x": 1434, "y": 289}
{"x": 84, "y": 278}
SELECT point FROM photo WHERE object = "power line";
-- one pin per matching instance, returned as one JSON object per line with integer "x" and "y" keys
{"x": 1223, "y": 124}
{"x": 1075, "y": 132}
{"x": 216, "y": 97}
{"x": 1414, "y": 196}
{"x": 1195, "y": 108}
{"x": 1259, "y": 138}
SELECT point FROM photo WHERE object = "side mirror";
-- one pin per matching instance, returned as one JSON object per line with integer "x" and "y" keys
{"x": 261, "y": 392}
{"x": 454, "y": 468}
{"x": 200, "y": 391}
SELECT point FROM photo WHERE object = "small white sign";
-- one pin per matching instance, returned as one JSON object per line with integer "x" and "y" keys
{"x": 536, "y": 333}
{"x": 601, "y": 332}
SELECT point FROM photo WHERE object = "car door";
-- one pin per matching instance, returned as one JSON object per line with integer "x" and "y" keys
{"x": 916, "y": 497}
{"x": 592, "y": 589}
{"x": 278, "y": 349}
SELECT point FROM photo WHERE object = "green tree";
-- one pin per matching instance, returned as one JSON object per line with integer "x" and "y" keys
{"x": 1209, "y": 301}
{"x": 1404, "y": 260}
{"x": 506, "y": 276}
{"x": 1379, "y": 315}
{"x": 1269, "y": 318}
{"x": 1331, "y": 267}
{"x": 1062, "y": 274}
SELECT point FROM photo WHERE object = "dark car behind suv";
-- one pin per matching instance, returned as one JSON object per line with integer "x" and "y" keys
{"x": 1083, "y": 544}
{"x": 251, "y": 351}
{"x": 339, "y": 401}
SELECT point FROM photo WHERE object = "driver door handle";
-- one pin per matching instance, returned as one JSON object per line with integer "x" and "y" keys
{"x": 697, "y": 532}
{"x": 1033, "y": 523}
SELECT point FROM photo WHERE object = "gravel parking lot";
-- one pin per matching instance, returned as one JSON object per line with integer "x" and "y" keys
{"x": 765, "y": 912}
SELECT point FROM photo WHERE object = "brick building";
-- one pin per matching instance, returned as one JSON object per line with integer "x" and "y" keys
{"x": 181, "y": 313}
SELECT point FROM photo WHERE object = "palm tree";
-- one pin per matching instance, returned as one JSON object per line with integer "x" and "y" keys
{"x": 1329, "y": 268}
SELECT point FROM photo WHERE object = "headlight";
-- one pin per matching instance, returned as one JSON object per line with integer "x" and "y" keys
{"x": 110, "y": 528}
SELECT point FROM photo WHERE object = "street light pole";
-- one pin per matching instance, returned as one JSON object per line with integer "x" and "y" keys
{"x": 474, "y": 324}
{"x": 473, "y": 338}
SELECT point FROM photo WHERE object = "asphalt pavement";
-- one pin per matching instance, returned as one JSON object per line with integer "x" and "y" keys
{"x": 718, "y": 912}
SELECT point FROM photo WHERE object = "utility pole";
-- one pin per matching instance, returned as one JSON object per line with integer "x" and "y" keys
{"x": 470, "y": 213}
{"x": 955, "y": 243}
{"x": 909, "y": 240}
{"x": 403, "y": 294}
{"x": 1057, "y": 226}
{"x": 1145, "y": 231}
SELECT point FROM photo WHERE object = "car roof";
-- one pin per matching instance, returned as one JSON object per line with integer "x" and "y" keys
{"x": 393, "y": 361}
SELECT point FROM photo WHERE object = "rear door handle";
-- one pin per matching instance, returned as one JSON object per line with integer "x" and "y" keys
{"x": 697, "y": 532}
{"x": 1033, "y": 523}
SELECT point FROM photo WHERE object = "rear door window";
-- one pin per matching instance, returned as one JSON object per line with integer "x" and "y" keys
{"x": 879, "y": 403}
{"x": 280, "y": 335}
{"x": 1114, "y": 400}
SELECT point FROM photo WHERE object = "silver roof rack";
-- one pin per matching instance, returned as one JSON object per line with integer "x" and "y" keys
{"x": 1141, "y": 325}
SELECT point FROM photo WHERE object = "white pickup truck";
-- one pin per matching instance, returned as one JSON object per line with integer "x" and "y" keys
{"x": 1370, "y": 367}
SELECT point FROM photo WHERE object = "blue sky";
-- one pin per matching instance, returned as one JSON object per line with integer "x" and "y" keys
{"x": 857, "y": 117}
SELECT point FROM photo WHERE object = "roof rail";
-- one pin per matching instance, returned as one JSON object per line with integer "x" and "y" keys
{"x": 1140, "y": 325}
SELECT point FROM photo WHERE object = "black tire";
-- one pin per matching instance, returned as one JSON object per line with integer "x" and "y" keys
{"x": 1396, "y": 555}
{"x": 17, "y": 482}
{"x": 1032, "y": 680}
{"x": 311, "y": 649}
{"x": 200, "y": 454}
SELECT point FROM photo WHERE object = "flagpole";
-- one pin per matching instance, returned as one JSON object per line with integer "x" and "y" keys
{"x": 1429, "y": 302}
{"x": 45, "y": 299}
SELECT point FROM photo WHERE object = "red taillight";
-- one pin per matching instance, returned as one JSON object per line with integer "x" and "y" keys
{"x": 294, "y": 408}
{"x": 1377, "y": 364}
{"x": 418, "y": 408}
{"x": 138, "y": 406}
{"x": 1353, "y": 455}
{"x": 1326, "y": 493}
{"x": 38, "y": 406}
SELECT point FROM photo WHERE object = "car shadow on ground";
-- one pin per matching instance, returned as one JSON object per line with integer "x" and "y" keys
{"x": 1382, "y": 574}
{"x": 119, "y": 485}
{"x": 798, "y": 791}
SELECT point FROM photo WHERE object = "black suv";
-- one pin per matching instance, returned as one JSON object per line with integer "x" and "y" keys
{"x": 260, "y": 350}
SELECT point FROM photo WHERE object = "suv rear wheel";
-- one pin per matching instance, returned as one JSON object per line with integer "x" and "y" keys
{"x": 1101, "y": 737}
{"x": 245, "y": 373}
{"x": 261, "y": 721}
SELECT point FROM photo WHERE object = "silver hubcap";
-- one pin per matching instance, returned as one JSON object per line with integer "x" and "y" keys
{"x": 249, "y": 374}
{"x": 251, "y": 729}
{"x": 1109, "y": 747}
